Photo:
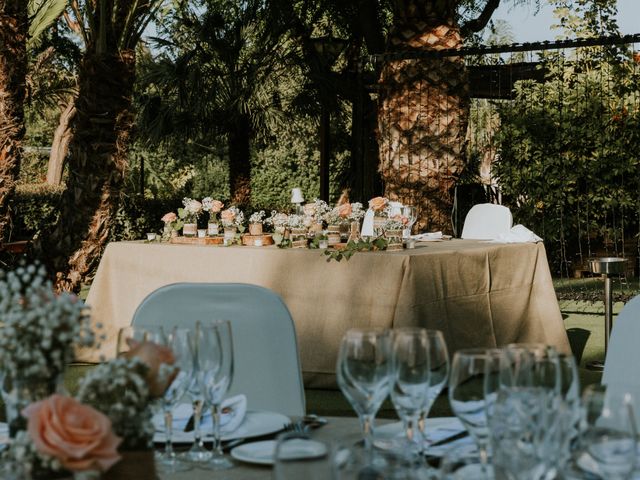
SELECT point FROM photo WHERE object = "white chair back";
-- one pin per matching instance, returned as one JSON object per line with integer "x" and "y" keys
{"x": 623, "y": 354}
{"x": 266, "y": 362}
{"x": 367, "y": 224}
{"x": 486, "y": 221}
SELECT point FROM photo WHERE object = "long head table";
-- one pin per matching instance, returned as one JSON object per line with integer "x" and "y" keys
{"x": 479, "y": 294}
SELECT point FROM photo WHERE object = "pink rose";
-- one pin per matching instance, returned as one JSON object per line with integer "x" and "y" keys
{"x": 79, "y": 436}
{"x": 216, "y": 206}
{"x": 377, "y": 204}
{"x": 228, "y": 216}
{"x": 169, "y": 217}
{"x": 154, "y": 356}
{"x": 344, "y": 210}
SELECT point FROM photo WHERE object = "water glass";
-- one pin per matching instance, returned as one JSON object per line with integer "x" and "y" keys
{"x": 607, "y": 444}
{"x": 411, "y": 213}
{"x": 439, "y": 373}
{"x": 468, "y": 389}
{"x": 464, "y": 462}
{"x": 363, "y": 370}
{"x": 215, "y": 361}
{"x": 410, "y": 379}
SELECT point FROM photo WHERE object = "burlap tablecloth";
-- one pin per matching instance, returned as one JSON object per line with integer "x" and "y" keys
{"x": 478, "y": 293}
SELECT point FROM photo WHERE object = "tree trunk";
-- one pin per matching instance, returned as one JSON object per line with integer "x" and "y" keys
{"x": 423, "y": 113}
{"x": 13, "y": 68}
{"x": 60, "y": 145}
{"x": 240, "y": 162}
{"x": 97, "y": 165}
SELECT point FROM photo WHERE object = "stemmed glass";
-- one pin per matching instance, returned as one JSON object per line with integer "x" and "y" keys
{"x": 363, "y": 370}
{"x": 410, "y": 213}
{"x": 608, "y": 441}
{"x": 179, "y": 340}
{"x": 439, "y": 374}
{"x": 215, "y": 360}
{"x": 469, "y": 393}
{"x": 410, "y": 379}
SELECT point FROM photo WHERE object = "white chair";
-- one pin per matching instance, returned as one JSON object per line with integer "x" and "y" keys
{"x": 623, "y": 354}
{"x": 486, "y": 221}
{"x": 266, "y": 363}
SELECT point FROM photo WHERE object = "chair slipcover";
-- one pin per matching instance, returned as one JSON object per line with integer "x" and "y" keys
{"x": 623, "y": 354}
{"x": 485, "y": 221}
{"x": 266, "y": 362}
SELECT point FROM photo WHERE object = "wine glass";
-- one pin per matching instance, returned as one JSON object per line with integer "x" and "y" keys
{"x": 608, "y": 442}
{"x": 363, "y": 370}
{"x": 410, "y": 213}
{"x": 129, "y": 337}
{"x": 468, "y": 390}
{"x": 179, "y": 340}
{"x": 215, "y": 360}
{"x": 410, "y": 379}
{"x": 439, "y": 374}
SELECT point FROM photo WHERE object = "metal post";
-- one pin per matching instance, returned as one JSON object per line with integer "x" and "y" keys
{"x": 608, "y": 312}
{"x": 325, "y": 152}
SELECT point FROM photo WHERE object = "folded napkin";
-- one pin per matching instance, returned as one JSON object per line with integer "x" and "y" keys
{"x": 234, "y": 410}
{"x": 430, "y": 237}
{"x": 367, "y": 224}
{"x": 518, "y": 234}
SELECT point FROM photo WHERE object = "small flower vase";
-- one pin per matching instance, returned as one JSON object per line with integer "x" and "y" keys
{"x": 255, "y": 229}
{"x": 394, "y": 237}
{"x": 299, "y": 238}
{"x": 190, "y": 229}
{"x": 212, "y": 229}
{"x": 379, "y": 222}
{"x": 230, "y": 233}
{"x": 354, "y": 232}
{"x": 333, "y": 234}
{"x": 315, "y": 228}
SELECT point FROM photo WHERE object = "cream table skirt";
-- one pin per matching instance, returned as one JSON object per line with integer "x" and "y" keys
{"x": 479, "y": 294}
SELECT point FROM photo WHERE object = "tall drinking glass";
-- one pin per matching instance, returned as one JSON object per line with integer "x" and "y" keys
{"x": 468, "y": 395}
{"x": 215, "y": 359}
{"x": 439, "y": 373}
{"x": 179, "y": 341}
{"x": 363, "y": 370}
{"x": 410, "y": 379}
{"x": 411, "y": 213}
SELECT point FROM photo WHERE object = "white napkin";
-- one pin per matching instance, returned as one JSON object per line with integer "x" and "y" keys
{"x": 430, "y": 237}
{"x": 229, "y": 420}
{"x": 367, "y": 224}
{"x": 518, "y": 234}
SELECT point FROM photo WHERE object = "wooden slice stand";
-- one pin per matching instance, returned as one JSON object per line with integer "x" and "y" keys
{"x": 219, "y": 240}
{"x": 250, "y": 240}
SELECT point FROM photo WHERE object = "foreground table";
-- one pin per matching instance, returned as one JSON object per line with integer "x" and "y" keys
{"x": 479, "y": 294}
{"x": 339, "y": 430}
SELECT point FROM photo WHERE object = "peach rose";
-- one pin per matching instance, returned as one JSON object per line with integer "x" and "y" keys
{"x": 227, "y": 216}
{"x": 154, "y": 356}
{"x": 169, "y": 217}
{"x": 377, "y": 204}
{"x": 309, "y": 209}
{"x": 344, "y": 210}
{"x": 79, "y": 436}
{"x": 216, "y": 206}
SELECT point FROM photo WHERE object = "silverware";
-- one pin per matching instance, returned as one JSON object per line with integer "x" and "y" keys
{"x": 449, "y": 439}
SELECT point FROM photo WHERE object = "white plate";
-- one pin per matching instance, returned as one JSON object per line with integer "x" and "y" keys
{"x": 262, "y": 453}
{"x": 255, "y": 424}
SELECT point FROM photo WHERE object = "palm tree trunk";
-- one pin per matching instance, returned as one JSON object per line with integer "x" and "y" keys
{"x": 96, "y": 165}
{"x": 240, "y": 162}
{"x": 13, "y": 68}
{"x": 60, "y": 145}
{"x": 423, "y": 113}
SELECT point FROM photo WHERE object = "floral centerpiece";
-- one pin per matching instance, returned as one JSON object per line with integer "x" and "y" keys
{"x": 189, "y": 215}
{"x": 213, "y": 207}
{"x": 232, "y": 220}
{"x": 279, "y": 221}
{"x": 296, "y": 224}
{"x": 355, "y": 217}
{"x": 38, "y": 332}
{"x": 171, "y": 225}
{"x": 314, "y": 214}
{"x": 380, "y": 208}
{"x": 255, "y": 222}
{"x": 393, "y": 228}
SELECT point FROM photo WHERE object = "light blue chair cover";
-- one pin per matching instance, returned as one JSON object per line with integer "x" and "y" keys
{"x": 266, "y": 362}
{"x": 623, "y": 354}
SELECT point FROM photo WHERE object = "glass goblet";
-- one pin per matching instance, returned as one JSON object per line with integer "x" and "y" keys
{"x": 439, "y": 374}
{"x": 363, "y": 369}
{"x": 410, "y": 375}
{"x": 215, "y": 360}
{"x": 411, "y": 213}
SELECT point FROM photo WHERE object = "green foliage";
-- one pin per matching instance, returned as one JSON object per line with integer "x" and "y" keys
{"x": 362, "y": 245}
{"x": 35, "y": 209}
